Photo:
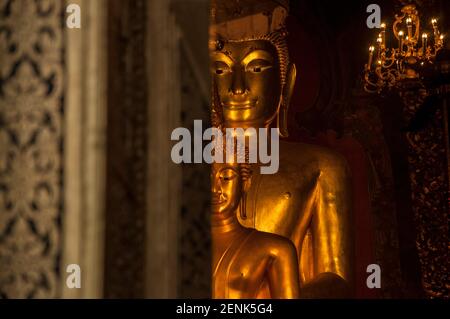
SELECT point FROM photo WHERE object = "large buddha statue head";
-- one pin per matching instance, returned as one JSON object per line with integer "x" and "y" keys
{"x": 251, "y": 74}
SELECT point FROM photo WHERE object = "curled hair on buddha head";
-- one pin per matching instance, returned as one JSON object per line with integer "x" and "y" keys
{"x": 245, "y": 171}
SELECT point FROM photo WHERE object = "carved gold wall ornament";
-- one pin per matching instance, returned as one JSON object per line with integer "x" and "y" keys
{"x": 31, "y": 146}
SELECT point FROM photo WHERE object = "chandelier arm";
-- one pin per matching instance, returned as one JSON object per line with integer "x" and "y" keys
{"x": 392, "y": 76}
{"x": 398, "y": 20}
{"x": 368, "y": 90}
{"x": 390, "y": 64}
{"x": 394, "y": 64}
{"x": 382, "y": 75}
{"x": 368, "y": 80}
{"x": 416, "y": 33}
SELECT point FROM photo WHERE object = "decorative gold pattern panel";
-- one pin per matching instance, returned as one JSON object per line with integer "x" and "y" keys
{"x": 31, "y": 102}
{"x": 429, "y": 183}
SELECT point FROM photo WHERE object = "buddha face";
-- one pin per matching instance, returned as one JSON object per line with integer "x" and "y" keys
{"x": 226, "y": 188}
{"x": 247, "y": 77}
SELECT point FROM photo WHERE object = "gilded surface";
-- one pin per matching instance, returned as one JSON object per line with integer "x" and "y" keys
{"x": 270, "y": 269}
{"x": 308, "y": 200}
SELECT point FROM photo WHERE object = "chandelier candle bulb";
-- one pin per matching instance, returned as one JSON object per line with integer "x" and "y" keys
{"x": 424, "y": 43}
{"x": 435, "y": 28}
{"x": 379, "y": 40}
{"x": 409, "y": 26}
{"x": 383, "y": 35}
{"x": 369, "y": 63}
{"x": 391, "y": 66}
{"x": 400, "y": 41}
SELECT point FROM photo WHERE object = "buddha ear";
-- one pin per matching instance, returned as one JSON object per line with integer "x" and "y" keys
{"x": 246, "y": 185}
{"x": 286, "y": 95}
{"x": 243, "y": 203}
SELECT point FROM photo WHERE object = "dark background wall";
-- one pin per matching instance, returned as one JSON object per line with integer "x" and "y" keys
{"x": 329, "y": 42}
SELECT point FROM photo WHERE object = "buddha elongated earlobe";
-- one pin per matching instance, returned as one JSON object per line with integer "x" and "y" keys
{"x": 288, "y": 89}
{"x": 243, "y": 207}
{"x": 245, "y": 188}
{"x": 246, "y": 178}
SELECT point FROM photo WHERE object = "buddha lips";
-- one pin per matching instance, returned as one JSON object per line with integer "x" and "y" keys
{"x": 230, "y": 145}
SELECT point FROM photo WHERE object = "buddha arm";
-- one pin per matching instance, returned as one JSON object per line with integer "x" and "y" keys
{"x": 283, "y": 273}
{"x": 331, "y": 234}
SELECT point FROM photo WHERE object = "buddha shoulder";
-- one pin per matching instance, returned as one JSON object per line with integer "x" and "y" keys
{"x": 272, "y": 244}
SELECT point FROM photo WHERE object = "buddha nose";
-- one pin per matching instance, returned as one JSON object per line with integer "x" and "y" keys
{"x": 216, "y": 190}
{"x": 238, "y": 83}
{"x": 215, "y": 186}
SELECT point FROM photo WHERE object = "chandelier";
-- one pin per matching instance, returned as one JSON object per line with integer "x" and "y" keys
{"x": 412, "y": 51}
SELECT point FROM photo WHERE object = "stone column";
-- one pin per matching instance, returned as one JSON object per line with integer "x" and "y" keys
{"x": 163, "y": 176}
{"x": 85, "y": 149}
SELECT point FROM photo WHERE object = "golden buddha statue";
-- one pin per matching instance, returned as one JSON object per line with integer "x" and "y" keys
{"x": 308, "y": 200}
{"x": 270, "y": 268}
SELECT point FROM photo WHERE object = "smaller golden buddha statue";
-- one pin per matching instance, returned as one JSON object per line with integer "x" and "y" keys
{"x": 247, "y": 263}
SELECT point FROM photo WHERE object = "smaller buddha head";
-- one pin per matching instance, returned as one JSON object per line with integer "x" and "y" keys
{"x": 229, "y": 184}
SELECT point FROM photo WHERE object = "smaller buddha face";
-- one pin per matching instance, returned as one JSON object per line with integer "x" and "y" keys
{"x": 226, "y": 188}
{"x": 247, "y": 77}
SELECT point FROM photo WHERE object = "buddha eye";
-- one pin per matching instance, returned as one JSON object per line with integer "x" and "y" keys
{"x": 221, "y": 68}
{"x": 227, "y": 175}
{"x": 258, "y": 65}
